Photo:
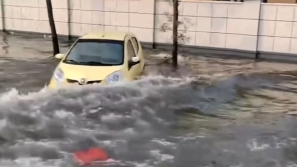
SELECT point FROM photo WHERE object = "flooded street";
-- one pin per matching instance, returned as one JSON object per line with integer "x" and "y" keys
{"x": 213, "y": 112}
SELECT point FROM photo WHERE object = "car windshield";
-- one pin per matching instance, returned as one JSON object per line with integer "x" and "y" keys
{"x": 96, "y": 52}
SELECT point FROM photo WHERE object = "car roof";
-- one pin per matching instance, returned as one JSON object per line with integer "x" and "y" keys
{"x": 109, "y": 35}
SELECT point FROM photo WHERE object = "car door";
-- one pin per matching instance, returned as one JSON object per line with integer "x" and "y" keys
{"x": 133, "y": 70}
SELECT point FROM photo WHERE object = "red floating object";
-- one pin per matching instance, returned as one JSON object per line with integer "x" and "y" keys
{"x": 91, "y": 155}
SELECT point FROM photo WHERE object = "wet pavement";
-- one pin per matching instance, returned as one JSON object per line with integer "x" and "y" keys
{"x": 212, "y": 112}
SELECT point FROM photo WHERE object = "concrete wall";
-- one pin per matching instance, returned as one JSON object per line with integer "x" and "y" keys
{"x": 214, "y": 24}
{"x": 248, "y": 26}
{"x": 278, "y": 28}
{"x": 116, "y": 15}
{"x": 31, "y": 15}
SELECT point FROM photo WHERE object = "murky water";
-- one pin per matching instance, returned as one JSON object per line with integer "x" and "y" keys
{"x": 229, "y": 113}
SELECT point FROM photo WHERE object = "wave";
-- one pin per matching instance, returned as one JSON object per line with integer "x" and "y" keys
{"x": 137, "y": 123}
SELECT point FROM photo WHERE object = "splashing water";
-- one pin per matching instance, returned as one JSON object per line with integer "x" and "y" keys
{"x": 44, "y": 128}
{"x": 138, "y": 123}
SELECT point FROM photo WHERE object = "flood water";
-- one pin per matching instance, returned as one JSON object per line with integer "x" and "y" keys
{"x": 212, "y": 112}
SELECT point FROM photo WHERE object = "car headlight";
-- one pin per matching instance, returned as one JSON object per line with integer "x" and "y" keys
{"x": 59, "y": 75}
{"x": 114, "y": 77}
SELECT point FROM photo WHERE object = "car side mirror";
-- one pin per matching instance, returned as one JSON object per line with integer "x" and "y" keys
{"x": 59, "y": 56}
{"x": 133, "y": 61}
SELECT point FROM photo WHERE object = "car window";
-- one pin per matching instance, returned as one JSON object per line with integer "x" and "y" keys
{"x": 135, "y": 43}
{"x": 130, "y": 50}
{"x": 102, "y": 51}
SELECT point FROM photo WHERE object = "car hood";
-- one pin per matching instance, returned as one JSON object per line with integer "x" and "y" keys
{"x": 90, "y": 73}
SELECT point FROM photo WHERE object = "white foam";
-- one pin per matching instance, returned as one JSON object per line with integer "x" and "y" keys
{"x": 30, "y": 162}
{"x": 291, "y": 164}
{"x": 166, "y": 56}
{"x": 164, "y": 142}
{"x": 142, "y": 165}
{"x": 111, "y": 117}
{"x": 161, "y": 157}
{"x": 63, "y": 114}
{"x": 253, "y": 145}
{"x": 190, "y": 137}
{"x": 3, "y": 123}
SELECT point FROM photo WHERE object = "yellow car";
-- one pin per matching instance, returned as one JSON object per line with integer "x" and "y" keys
{"x": 100, "y": 57}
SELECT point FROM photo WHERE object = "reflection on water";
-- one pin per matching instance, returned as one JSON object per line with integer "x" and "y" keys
{"x": 227, "y": 114}
{"x": 5, "y": 46}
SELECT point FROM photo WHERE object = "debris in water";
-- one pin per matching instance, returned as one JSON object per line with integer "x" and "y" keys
{"x": 91, "y": 155}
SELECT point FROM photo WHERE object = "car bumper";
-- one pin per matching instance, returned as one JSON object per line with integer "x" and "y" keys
{"x": 55, "y": 85}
